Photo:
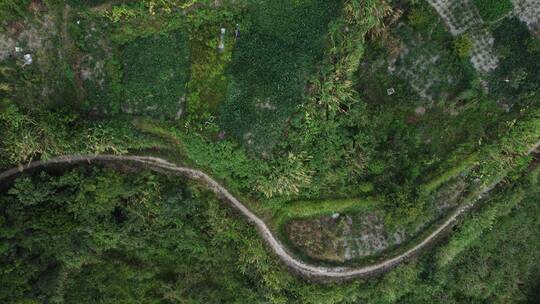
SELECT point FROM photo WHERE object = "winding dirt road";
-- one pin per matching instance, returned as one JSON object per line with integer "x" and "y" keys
{"x": 311, "y": 272}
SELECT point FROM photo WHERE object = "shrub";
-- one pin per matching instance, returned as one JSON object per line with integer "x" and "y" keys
{"x": 367, "y": 187}
{"x": 421, "y": 18}
{"x": 287, "y": 177}
{"x": 463, "y": 45}
{"x": 121, "y": 12}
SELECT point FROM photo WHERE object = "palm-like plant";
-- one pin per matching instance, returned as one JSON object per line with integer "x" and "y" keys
{"x": 287, "y": 177}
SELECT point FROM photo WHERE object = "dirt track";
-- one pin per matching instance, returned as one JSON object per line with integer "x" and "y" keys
{"x": 308, "y": 271}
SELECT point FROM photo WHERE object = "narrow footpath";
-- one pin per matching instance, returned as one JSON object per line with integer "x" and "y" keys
{"x": 308, "y": 271}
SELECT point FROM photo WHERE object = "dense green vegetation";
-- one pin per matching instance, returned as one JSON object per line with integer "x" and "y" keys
{"x": 125, "y": 237}
{"x": 42, "y": 134}
{"x": 492, "y": 10}
{"x": 92, "y": 232}
{"x": 12, "y": 9}
{"x": 272, "y": 62}
{"x": 364, "y": 109}
{"x": 517, "y": 73}
{"x": 155, "y": 75}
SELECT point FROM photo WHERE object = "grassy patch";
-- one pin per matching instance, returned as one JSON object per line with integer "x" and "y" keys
{"x": 436, "y": 182}
{"x": 155, "y": 74}
{"x": 311, "y": 209}
{"x": 491, "y": 10}
{"x": 87, "y": 2}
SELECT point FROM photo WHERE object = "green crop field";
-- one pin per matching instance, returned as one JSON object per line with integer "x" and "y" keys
{"x": 154, "y": 74}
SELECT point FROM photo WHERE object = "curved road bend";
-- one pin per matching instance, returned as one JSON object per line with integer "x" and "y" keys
{"x": 308, "y": 271}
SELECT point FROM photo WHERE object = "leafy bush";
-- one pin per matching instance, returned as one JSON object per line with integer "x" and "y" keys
{"x": 463, "y": 45}
{"x": 423, "y": 18}
{"x": 225, "y": 160}
{"x": 121, "y": 12}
